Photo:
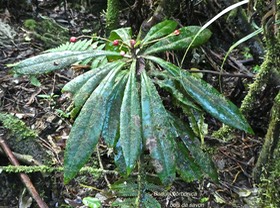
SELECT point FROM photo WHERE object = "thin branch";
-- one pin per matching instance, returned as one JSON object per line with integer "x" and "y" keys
{"x": 101, "y": 166}
{"x": 222, "y": 74}
{"x": 26, "y": 159}
{"x": 47, "y": 169}
{"x": 24, "y": 178}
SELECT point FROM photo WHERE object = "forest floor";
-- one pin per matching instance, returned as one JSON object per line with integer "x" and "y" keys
{"x": 41, "y": 108}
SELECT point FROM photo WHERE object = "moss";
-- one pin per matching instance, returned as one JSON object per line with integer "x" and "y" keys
{"x": 47, "y": 31}
{"x": 95, "y": 172}
{"x": 17, "y": 127}
{"x": 256, "y": 88}
{"x": 268, "y": 163}
{"x": 223, "y": 133}
{"x": 23, "y": 140}
{"x": 270, "y": 185}
{"x": 30, "y": 24}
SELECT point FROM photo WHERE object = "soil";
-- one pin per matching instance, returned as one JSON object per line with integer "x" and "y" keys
{"x": 234, "y": 158}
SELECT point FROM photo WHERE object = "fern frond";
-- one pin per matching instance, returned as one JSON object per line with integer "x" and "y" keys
{"x": 126, "y": 203}
{"x": 126, "y": 189}
{"x": 153, "y": 187}
{"x": 17, "y": 127}
{"x": 150, "y": 202}
{"x": 80, "y": 45}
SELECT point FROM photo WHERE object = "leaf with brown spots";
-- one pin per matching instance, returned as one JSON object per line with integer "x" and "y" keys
{"x": 157, "y": 131}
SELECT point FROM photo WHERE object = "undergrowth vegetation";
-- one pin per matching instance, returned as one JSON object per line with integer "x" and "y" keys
{"x": 118, "y": 101}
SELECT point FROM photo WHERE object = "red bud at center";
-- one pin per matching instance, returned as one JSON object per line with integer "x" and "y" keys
{"x": 132, "y": 42}
{"x": 176, "y": 32}
{"x": 115, "y": 42}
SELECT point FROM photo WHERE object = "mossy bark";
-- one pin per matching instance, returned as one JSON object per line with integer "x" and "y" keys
{"x": 269, "y": 74}
{"x": 271, "y": 142}
{"x": 267, "y": 159}
{"x": 267, "y": 170}
{"x": 112, "y": 15}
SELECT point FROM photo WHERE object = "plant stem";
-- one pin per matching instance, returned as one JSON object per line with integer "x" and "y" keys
{"x": 140, "y": 180}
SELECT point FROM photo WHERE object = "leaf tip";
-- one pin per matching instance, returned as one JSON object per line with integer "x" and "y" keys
{"x": 66, "y": 180}
{"x": 68, "y": 175}
{"x": 250, "y": 130}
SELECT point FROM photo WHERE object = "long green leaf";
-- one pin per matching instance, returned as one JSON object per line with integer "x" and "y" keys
{"x": 101, "y": 60}
{"x": 196, "y": 120}
{"x": 57, "y": 60}
{"x": 119, "y": 159}
{"x": 159, "y": 30}
{"x": 182, "y": 128}
{"x": 207, "y": 97}
{"x": 130, "y": 122}
{"x": 110, "y": 129}
{"x": 183, "y": 101}
{"x": 181, "y": 41}
{"x": 82, "y": 86}
{"x": 150, "y": 202}
{"x": 75, "y": 84}
{"x": 94, "y": 46}
{"x": 187, "y": 167}
{"x": 157, "y": 131}
{"x": 87, "y": 128}
{"x": 242, "y": 40}
{"x": 224, "y": 11}
{"x": 171, "y": 86}
{"x": 85, "y": 91}
{"x": 125, "y": 188}
{"x": 125, "y": 203}
{"x": 200, "y": 157}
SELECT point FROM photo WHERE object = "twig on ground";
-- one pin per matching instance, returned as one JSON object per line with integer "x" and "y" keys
{"x": 26, "y": 159}
{"x": 101, "y": 166}
{"x": 24, "y": 178}
{"x": 223, "y": 74}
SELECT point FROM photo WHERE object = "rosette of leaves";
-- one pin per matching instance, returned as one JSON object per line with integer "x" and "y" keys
{"x": 127, "y": 192}
{"x": 118, "y": 100}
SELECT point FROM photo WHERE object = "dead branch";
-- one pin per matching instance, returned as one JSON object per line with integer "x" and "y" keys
{"x": 24, "y": 178}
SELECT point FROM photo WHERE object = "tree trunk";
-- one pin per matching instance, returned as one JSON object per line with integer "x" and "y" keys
{"x": 267, "y": 158}
{"x": 112, "y": 15}
{"x": 271, "y": 65}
